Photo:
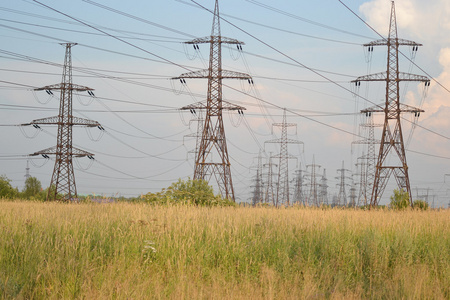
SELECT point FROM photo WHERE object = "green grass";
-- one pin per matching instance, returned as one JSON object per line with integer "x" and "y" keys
{"x": 92, "y": 251}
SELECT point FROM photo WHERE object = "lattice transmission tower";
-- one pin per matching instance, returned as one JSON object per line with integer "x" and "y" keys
{"x": 212, "y": 157}
{"x": 258, "y": 187}
{"x": 367, "y": 162}
{"x": 342, "y": 196}
{"x": 361, "y": 167}
{"x": 323, "y": 192}
{"x": 391, "y": 156}
{"x": 27, "y": 171}
{"x": 299, "y": 197}
{"x": 313, "y": 196}
{"x": 282, "y": 196}
{"x": 62, "y": 185}
{"x": 353, "y": 195}
{"x": 199, "y": 118}
{"x": 269, "y": 195}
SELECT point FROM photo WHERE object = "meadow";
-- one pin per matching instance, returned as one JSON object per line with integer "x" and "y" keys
{"x": 139, "y": 251}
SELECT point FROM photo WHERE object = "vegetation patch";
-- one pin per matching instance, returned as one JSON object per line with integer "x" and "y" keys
{"x": 140, "y": 251}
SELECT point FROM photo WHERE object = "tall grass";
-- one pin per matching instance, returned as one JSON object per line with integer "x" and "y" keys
{"x": 135, "y": 251}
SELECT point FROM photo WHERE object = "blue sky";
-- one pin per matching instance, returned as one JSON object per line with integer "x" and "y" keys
{"x": 147, "y": 137}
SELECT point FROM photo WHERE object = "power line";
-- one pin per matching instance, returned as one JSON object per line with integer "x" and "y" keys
{"x": 175, "y": 40}
{"x": 110, "y": 35}
{"x": 304, "y": 19}
{"x": 383, "y": 38}
{"x": 134, "y": 17}
{"x": 297, "y": 62}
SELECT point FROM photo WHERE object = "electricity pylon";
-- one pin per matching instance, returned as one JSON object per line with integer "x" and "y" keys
{"x": 353, "y": 195}
{"x": 323, "y": 192}
{"x": 392, "y": 144}
{"x": 313, "y": 198}
{"x": 361, "y": 166}
{"x": 258, "y": 191}
{"x": 62, "y": 185}
{"x": 269, "y": 194}
{"x": 298, "y": 187}
{"x": 27, "y": 171}
{"x": 342, "y": 196}
{"x": 198, "y": 134}
{"x": 213, "y": 135}
{"x": 283, "y": 156}
{"x": 368, "y": 161}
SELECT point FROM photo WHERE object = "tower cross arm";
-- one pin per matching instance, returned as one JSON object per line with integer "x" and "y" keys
{"x": 225, "y": 106}
{"x": 403, "y": 108}
{"x": 48, "y": 151}
{"x": 366, "y": 141}
{"x": 55, "y": 121}
{"x": 275, "y": 141}
{"x": 382, "y": 76}
{"x": 235, "y": 75}
{"x": 198, "y": 105}
{"x": 292, "y": 141}
{"x": 44, "y": 121}
{"x": 284, "y": 124}
{"x": 288, "y": 141}
{"x": 53, "y": 151}
{"x": 209, "y": 39}
{"x": 384, "y": 42}
{"x": 80, "y": 153}
{"x": 225, "y": 74}
{"x": 85, "y": 122}
{"x": 65, "y": 86}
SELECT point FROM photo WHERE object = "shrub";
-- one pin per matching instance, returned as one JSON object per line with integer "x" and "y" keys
{"x": 190, "y": 192}
{"x": 420, "y": 205}
{"x": 400, "y": 200}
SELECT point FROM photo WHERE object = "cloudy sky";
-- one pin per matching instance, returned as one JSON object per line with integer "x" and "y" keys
{"x": 302, "y": 56}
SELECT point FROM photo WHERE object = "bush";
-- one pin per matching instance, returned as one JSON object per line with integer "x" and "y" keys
{"x": 400, "y": 200}
{"x": 6, "y": 190}
{"x": 189, "y": 192}
{"x": 420, "y": 205}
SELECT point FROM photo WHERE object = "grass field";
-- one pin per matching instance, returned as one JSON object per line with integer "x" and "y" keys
{"x": 137, "y": 251}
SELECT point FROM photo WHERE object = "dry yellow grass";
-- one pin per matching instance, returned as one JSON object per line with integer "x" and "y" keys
{"x": 104, "y": 251}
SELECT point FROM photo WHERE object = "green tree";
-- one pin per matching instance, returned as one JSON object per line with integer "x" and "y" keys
{"x": 400, "y": 200}
{"x": 33, "y": 189}
{"x": 6, "y": 190}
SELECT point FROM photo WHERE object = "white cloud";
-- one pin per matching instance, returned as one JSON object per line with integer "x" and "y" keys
{"x": 428, "y": 22}
{"x": 438, "y": 96}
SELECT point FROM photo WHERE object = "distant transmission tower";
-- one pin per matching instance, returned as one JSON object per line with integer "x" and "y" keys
{"x": 342, "y": 196}
{"x": 269, "y": 193}
{"x": 392, "y": 156}
{"x": 366, "y": 163}
{"x": 323, "y": 192}
{"x": 361, "y": 166}
{"x": 198, "y": 134}
{"x": 62, "y": 185}
{"x": 283, "y": 156}
{"x": 353, "y": 195}
{"x": 299, "y": 197}
{"x": 258, "y": 191}
{"x": 213, "y": 136}
{"x": 27, "y": 171}
{"x": 313, "y": 197}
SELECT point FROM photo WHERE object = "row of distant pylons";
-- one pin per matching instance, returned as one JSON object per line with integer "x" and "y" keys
{"x": 212, "y": 159}
{"x": 375, "y": 171}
